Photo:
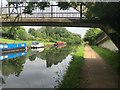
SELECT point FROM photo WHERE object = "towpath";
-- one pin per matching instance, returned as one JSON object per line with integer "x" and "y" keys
{"x": 96, "y": 73}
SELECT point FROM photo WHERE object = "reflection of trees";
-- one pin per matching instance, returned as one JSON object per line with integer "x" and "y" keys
{"x": 54, "y": 55}
{"x": 13, "y": 66}
{"x": 32, "y": 57}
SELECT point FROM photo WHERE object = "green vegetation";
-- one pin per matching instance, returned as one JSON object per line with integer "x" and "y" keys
{"x": 72, "y": 77}
{"x": 103, "y": 12}
{"x": 110, "y": 57}
{"x": 20, "y": 41}
{"x": 44, "y": 34}
{"x": 91, "y": 35}
{"x": 53, "y": 34}
{"x": 15, "y": 33}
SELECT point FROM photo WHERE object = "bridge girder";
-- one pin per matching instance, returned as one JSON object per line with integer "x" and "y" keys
{"x": 54, "y": 22}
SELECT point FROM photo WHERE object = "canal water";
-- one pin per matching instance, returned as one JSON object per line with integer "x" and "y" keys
{"x": 37, "y": 68}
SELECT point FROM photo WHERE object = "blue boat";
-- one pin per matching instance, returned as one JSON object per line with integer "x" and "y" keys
{"x": 9, "y": 47}
{"x": 12, "y": 55}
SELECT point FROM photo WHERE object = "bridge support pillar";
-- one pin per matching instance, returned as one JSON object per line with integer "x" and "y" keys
{"x": 114, "y": 35}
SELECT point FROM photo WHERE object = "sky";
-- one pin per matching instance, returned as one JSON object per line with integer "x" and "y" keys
{"x": 77, "y": 30}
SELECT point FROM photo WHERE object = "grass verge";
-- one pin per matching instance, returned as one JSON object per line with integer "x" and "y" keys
{"x": 72, "y": 77}
{"x": 2, "y": 40}
{"x": 110, "y": 57}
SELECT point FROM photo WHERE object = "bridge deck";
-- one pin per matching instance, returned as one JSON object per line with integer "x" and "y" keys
{"x": 50, "y": 22}
{"x": 40, "y": 20}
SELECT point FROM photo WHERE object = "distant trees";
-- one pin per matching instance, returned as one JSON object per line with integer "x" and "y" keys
{"x": 53, "y": 34}
{"x": 16, "y": 33}
{"x": 22, "y": 34}
{"x": 91, "y": 35}
{"x": 49, "y": 34}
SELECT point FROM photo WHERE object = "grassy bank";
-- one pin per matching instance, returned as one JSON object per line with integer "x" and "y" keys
{"x": 2, "y": 40}
{"x": 72, "y": 77}
{"x": 110, "y": 57}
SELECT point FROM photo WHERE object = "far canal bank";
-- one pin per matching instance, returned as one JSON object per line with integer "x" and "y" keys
{"x": 2, "y": 40}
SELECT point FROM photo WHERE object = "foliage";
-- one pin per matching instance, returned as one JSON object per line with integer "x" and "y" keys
{"x": 43, "y": 5}
{"x": 72, "y": 77}
{"x": 32, "y": 5}
{"x": 63, "y": 5}
{"x": 18, "y": 33}
{"x": 47, "y": 34}
{"x": 2, "y": 40}
{"x": 104, "y": 11}
{"x": 110, "y": 57}
{"x": 91, "y": 35}
{"x": 53, "y": 34}
{"x": 29, "y": 8}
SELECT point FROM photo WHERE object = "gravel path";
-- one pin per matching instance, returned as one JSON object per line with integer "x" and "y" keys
{"x": 96, "y": 73}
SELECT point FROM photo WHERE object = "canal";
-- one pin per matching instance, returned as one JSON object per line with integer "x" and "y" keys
{"x": 37, "y": 68}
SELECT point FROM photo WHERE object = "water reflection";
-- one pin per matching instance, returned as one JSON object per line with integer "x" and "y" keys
{"x": 13, "y": 66}
{"x": 54, "y": 55}
{"x": 38, "y": 69}
{"x": 12, "y": 55}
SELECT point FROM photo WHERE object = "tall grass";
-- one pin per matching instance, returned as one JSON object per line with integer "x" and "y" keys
{"x": 110, "y": 57}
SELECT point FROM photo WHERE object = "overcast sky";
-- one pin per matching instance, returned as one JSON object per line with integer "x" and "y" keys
{"x": 78, "y": 30}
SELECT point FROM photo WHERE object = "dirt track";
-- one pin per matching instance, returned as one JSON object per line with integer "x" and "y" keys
{"x": 96, "y": 73}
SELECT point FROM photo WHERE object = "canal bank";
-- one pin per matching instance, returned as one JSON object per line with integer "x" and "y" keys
{"x": 2, "y": 40}
{"x": 71, "y": 78}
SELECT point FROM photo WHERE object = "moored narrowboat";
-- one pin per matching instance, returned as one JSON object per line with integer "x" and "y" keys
{"x": 59, "y": 43}
{"x": 4, "y": 47}
{"x": 36, "y": 44}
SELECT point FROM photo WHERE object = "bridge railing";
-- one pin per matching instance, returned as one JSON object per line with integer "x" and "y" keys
{"x": 50, "y": 12}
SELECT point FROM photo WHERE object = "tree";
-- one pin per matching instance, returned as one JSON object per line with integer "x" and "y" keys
{"x": 54, "y": 34}
{"x": 104, "y": 11}
{"x": 49, "y": 34}
{"x": 32, "y": 31}
{"x": 91, "y": 35}
{"x": 16, "y": 33}
{"x": 21, "y": 34}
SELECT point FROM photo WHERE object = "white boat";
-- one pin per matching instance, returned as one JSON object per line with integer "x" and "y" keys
{"x": 37, "y": 50}
{"x": 36, "y": 44}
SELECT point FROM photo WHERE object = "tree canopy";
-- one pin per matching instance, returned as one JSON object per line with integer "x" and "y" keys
{"x": 16, "y": 33}
{"x": 53, "y": 34}
{"x": 49, "y": 34}
{"x": 91, "y": 35}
